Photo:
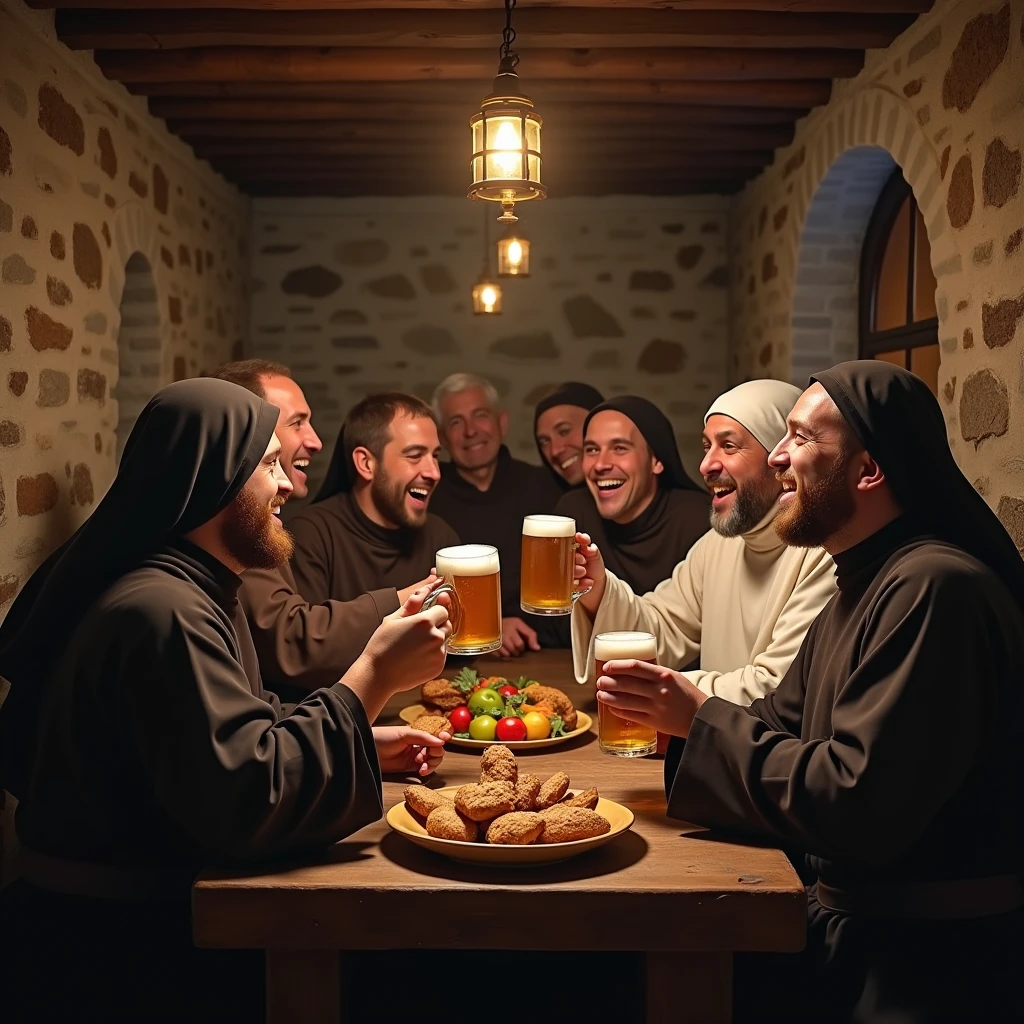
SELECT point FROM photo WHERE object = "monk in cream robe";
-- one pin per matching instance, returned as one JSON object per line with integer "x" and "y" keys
{"x": 741, "y": 600}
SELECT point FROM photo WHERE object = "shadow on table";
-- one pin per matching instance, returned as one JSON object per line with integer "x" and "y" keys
{"x": 616, "y": 855}
{"x": 339, "y": 853}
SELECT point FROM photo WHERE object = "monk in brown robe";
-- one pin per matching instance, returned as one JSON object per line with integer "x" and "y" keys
{"x": 889, "y": 755}
{"x": 301, "y": 646}
{"x": 484, "y": 494}
{"x": 369, "y": 526}
{"x": 138, "y": 737}
{"x": 639, "y": 506}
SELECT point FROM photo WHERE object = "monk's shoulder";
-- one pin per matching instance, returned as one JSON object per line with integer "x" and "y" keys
{"x": 941, "y": 565}
{"x": 575, "y": 503}
{"x": 318, "y": 513}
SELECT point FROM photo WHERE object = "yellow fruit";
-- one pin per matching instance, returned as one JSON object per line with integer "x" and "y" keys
{"x": 537, "y": 726}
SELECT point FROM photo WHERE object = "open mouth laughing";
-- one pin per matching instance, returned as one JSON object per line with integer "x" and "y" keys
{"x": 607, "y": 486}
{"x": 419, "y": 495}
{"x": 788, "y": 489}
{"x": 720, "y": 492}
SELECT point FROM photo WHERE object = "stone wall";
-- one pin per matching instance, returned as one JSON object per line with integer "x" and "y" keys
{"x": 628, "y": 293}
{"x": 87, "y": 179}
{"x": 946, "y": 101}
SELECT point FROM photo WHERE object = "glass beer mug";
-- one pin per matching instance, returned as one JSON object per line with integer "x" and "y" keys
{"x": 547, "y": 586}
{"x": 472, "y": 579}
{"x": 616, "y": 735}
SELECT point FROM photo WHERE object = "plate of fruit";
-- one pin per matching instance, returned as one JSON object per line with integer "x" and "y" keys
{"x": 484, "y": 710}
{"x": 509, "y": 817}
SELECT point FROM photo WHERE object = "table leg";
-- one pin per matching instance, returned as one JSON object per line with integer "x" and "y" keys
{"x": 303, "y": 985}
{"x": 689, "y": 986}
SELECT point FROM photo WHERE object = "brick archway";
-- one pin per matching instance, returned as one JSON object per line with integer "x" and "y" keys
{"x": 873, "y": 118}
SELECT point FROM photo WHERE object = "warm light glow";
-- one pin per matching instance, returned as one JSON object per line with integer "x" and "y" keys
{"x": 513, "y": 256}
{"x": 486, "y": 297}
{"x": 506, "y": 160}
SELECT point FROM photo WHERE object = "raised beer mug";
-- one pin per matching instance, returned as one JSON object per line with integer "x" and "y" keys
{"x": 546, "y": 584}
{"x": 472, "y": 579}
{"x": 616, "y": 735}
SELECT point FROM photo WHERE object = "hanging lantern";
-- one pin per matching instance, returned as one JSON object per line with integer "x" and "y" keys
{"x": 506, "y": 161}
{"x": 513, "y": 255}
{"x": 486, "y": 296}
{"x": 486, "y": 293}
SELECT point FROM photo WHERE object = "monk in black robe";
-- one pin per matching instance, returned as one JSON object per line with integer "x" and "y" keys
{"x": 558, "y": 430}
{"x": 139, "y": 740}
{"x": 301, "y": 646}
{"x": 485, "y": 494}
{"x": 639, "y": 506}
{"x": 369, "y": 527}
{"x": 890, "y": 752}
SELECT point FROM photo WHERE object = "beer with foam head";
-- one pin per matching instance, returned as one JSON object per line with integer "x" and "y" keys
{"x": 546, "y": 582}
{"x": 617, "y": 735}
{"x": 472, "y": 576}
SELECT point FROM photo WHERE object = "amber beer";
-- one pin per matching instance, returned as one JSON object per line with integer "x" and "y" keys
{"x": 546, "y": 581}
{"x": 617, "y": 735}
{"x": 473, "y": 573}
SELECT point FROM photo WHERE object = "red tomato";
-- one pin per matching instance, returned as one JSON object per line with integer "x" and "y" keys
{"x": 460, "y": 718}
{"x": 510, "y": 730}
{"x": 507, "y": 691}
{"x": 480, "y": 686}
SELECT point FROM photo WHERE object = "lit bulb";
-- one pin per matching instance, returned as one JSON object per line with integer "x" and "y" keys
{"x": 515, "y": 253}
{"x": 489, "y": 296}
{"x": 506, "y": 158}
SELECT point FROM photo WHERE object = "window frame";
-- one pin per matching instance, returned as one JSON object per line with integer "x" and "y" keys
{"x": 911, "y": 335}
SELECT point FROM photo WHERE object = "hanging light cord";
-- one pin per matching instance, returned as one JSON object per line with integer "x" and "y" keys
{"x": 508, "y": 35}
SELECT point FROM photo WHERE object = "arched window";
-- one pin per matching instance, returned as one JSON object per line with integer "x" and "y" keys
{"x": 898, "y": 322}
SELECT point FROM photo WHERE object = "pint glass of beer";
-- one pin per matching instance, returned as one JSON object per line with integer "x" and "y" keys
{"x": 473, "y": 579}
{"x": 617, "y": 735}
{"x": 546, "y": 584}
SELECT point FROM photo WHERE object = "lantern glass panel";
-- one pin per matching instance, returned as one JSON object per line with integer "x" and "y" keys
{"x": 513, "y": 257}
{"x": 534, "y": 167}
{"x": 532, "y": 134}
{"x": 486, "y": 298}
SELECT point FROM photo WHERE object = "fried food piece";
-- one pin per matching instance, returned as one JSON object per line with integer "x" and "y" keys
{"x": 484, "y": 800}
{"x": 588, "y": 798}
{"x": 442, "y": 694}
{"x": 445, "y": 822}
{"x": 553, "y": 790}
{"x": 434, "y": 724}
{"x": 567, "y": 824}
{"x": 520, "y": 828}
{"x": 498, "y": 764}
{"x": 545, "y": 709}
{"x": 527, "y": 789}
{"x": 422, "y": 800}
{"x": 548, "y": 695}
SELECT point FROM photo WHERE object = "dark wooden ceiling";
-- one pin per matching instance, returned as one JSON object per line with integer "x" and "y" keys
{"x": 350, "y": 97}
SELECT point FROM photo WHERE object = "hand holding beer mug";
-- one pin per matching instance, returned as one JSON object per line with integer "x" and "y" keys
{"x": 620, "y": 736}
{"x": 472, "y": 578}
{"x": 547, "y": 584}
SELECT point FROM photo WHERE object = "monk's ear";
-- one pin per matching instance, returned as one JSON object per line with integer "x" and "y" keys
{"x": 869, "y": 473}
{"x": 503, "y": 423}
{"x": 657, "y": 467}
{"x": 364, "y": 462}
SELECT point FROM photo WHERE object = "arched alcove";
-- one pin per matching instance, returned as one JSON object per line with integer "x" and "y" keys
{"x": 827, "y": 283}
{"x": 139, "y": 345}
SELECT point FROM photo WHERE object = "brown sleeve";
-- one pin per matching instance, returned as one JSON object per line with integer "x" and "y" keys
{"x": 307, "y": 645}
{"x": 311, "y": 561}
{"x": 241, "y": 781}
{"x": 863, "y": 791}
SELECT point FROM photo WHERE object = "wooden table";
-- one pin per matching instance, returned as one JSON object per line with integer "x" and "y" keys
{"x": 683, "y": 897}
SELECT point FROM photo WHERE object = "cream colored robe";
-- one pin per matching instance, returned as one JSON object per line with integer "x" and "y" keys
{"x": 742, "y": 603}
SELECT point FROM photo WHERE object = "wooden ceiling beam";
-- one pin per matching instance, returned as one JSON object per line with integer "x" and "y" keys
{"x": 760, "y": 93}
{"x": 310, "y": 132}
{"x": 196, "y": 109}
{"x": 784, "y": 6}
{"x": 333, "y": 64}
{"x": 536, "y": 27}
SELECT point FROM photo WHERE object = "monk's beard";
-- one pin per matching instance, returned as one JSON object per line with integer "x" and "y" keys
{"x": 388, "y": 496}
{"x": 820, "y": 511}
{"x": 254, "y": 535}
{"x": 753, "y": 502}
